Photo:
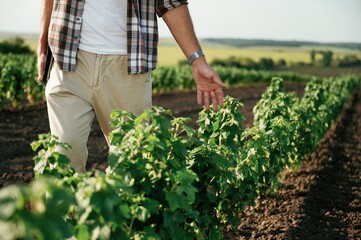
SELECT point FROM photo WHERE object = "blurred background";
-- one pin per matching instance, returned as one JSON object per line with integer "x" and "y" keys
{"x": 285, "y": 31}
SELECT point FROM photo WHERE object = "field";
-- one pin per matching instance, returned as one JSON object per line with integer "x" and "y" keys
{"x": 170, "y": 54}
{"x": 321, "y": 200}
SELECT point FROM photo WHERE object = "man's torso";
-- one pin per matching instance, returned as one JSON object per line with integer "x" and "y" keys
{"x": 104, "y": 27}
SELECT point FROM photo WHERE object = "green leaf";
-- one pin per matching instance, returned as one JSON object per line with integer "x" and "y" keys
{"x": 125, "y": 210}
{"x": 174, "y": 201}
{"x": 151, "y": 205}
{"x": 141, "y": 213}
{"x": 40, "y": 166}
{"x": 147, "y": 234}
{"x": 10, "y": 199}
{"x": 83, "y": 233}
{"x": 35, "y": 145}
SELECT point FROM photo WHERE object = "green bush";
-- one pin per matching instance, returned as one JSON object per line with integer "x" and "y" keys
{"x": 14, "y": 45}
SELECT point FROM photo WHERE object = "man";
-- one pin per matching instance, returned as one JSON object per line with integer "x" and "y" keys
{"x": 104, "y": 52}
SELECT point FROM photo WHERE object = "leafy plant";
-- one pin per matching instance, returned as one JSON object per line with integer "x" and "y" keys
{"x": 149, "y": 152}
{"x": 167, "y": 181}
{"x": 275, "y": 115}
{"x": 18, "y": 84}
{"x": 215, "y": 159}
{"x": 49, "y": 161}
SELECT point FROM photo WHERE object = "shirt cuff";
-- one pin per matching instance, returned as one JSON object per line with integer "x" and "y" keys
{"x": 164, "y": 6}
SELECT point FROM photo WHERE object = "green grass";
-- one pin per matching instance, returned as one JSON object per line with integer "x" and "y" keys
{"x": 172, "y": 55}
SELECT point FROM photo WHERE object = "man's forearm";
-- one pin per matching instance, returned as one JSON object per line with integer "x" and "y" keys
{"x": 180, "y": 24}
{"x": 47, "y": 8}
{"x": 209, "y": 85}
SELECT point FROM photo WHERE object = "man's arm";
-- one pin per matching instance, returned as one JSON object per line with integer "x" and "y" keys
{"x": 209, "y": 85}
{"x": 47, "y": 8}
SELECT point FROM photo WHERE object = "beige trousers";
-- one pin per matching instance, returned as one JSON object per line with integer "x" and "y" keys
{"x": 99, "y": 85}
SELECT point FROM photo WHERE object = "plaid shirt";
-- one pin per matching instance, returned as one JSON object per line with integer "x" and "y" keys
{"x": 142, "y": 32}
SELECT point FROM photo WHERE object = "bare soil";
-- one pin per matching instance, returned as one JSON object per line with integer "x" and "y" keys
{"x": 322, "y": 199}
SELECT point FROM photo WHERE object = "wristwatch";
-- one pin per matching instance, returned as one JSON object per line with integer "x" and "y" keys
{"x": 195, "y": 56}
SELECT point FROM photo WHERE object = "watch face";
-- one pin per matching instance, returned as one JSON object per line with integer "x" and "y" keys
{"x": 195, "y": 56}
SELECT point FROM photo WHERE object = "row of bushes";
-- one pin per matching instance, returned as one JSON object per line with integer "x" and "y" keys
{"x": 166, "y": 180}
{"x": 180, "y": 78}
{"x": 19, "y": 85}
{"x": 246, "y": 63}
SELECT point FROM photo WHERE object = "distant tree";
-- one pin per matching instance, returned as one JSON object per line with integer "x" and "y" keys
{"x": 183, "y": 62}
{"x": 313, "y": 57}
{"x": 14, "y": 45}
{"x": 266, "y": 63}
{"x": 327, "y": 58}
{"x": 247, "y": 63}
{"x": 349, "y": 61}
{"x": 232, "y": 61}
{"x": 281, "y": 63}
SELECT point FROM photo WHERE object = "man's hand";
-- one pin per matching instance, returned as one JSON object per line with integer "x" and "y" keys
{"x": 209, "y": 85}
{"x": 41, "y": 66}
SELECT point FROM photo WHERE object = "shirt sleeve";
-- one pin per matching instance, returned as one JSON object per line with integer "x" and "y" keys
{"x": 164, "y": 6}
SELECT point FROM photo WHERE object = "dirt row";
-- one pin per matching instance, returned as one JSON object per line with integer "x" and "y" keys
{"x": 322, "y": 199}
{"x": 18, "y": 128}
{"x": 325, "y": 72}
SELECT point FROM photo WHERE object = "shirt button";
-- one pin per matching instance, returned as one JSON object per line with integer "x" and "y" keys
{"x": 78, "y": 19}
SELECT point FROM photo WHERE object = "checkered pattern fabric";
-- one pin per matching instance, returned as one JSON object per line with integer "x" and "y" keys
{"x": 142, "y": 32}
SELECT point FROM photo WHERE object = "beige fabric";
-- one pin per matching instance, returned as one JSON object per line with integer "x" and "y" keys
{"x": 99, "y": 85}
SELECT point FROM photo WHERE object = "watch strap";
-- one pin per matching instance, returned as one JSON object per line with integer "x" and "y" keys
{"x": 195, "y": 56}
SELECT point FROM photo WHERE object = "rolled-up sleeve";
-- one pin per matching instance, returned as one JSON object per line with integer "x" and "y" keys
{"x": 164, "y": 6}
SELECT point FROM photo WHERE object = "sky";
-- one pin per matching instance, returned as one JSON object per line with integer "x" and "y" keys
{"x": 309, "y": 20}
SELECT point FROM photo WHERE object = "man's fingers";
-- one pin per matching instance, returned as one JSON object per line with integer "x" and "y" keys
{"x": 206, "y": 97}
{"x": 206, "y": 100}
{"x": 220, "y": 96}
{"x": 41, "y": 66}
{"x": 199, "y": 97}
{"x": 40, "y": 76}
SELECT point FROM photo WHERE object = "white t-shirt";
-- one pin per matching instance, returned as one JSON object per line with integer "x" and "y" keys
{"x": 104, "y": 27}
